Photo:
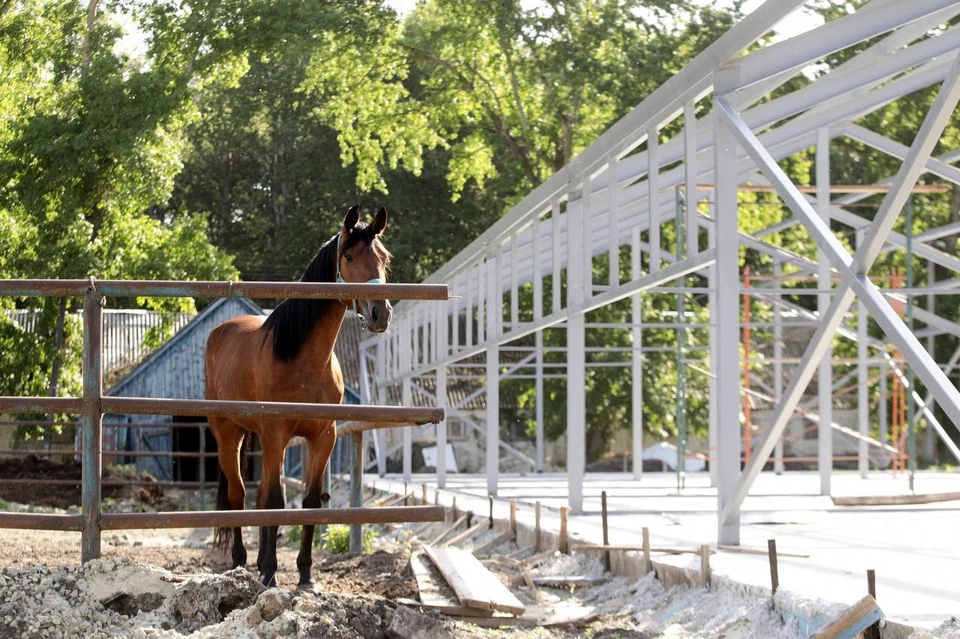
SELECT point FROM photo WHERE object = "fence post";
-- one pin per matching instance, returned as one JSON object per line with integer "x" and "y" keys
{"x": 356, "y": 490}
{"x": 203, "y": 466}
{"x": 91, "y": 424}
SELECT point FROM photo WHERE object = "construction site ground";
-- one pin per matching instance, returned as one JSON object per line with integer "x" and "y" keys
{"x": 912, "y": 548}
{"x": 172, "y": 583}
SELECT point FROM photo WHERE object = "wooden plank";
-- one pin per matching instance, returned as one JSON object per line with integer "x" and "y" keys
{"x": 455, "y": 610}
{"x": 466, "y": 534}
{"x": 431, "y": 594}
{"x": 394, "y": 500}
{"x": 569, "y": 580}
{"x": 448, "y": 530}
{"x": 476, "y": 587}
{"x": 746, "y": 550}
{"x": 520, "y": 551}
{"x": 499, "y": 621}
{"x": 635, "y": 548}
{"x": 493, "y": 543}
{"x": 536, "y": 559}
{"x": 853, "y": 621}
{"x": 895, "y": 500}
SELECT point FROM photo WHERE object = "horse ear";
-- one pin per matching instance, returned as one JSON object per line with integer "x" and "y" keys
{"x": 380, "y": 221}
{"x": 351, "y": 218}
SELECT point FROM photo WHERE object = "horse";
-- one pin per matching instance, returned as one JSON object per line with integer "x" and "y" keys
{"x": 288, "y": 357}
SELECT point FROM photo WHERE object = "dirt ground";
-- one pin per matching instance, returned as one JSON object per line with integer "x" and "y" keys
{"x": 191, "y": 591}
{"x": 187, "y": 552}
{"x": 32, "y": 467}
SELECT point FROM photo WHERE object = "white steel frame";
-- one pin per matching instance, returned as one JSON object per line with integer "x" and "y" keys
{"x": 619, "y": 192}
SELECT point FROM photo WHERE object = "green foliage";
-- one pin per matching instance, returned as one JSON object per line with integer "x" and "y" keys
{"x": 336, "y": 539}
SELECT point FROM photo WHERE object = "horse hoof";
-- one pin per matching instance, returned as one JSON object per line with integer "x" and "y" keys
{"x": 269, "y": 582}
{"x": 311, "y": 588}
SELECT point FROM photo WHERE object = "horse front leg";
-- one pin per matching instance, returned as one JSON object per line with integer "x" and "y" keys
{"x": 270, "y": 496}
{"x": 320, "y": 447}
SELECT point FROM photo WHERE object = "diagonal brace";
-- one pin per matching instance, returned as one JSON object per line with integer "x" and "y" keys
{"x": 853, "y": 269}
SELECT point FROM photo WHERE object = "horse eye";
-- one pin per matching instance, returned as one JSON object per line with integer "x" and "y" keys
{"x": 348, "y": 257}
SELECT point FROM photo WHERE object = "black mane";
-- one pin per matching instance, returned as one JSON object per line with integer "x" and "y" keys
{"x": 294, "y": 319}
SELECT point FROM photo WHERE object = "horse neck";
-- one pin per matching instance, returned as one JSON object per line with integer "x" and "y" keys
{"x": 323, "y": 337}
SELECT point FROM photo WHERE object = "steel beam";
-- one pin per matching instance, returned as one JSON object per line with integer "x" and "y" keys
{"x": 636, "y": 362}
{"x": 852, "y": 269}
{"x": 493, "y": 418}
{"x": 809, "y": 47}
{"x": 692, "y": 82}
{"x": 863, "y": 407}
{"x": 728, "y": 330}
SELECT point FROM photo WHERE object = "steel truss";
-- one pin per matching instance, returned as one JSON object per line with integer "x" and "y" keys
{"x": 532, "y": 271}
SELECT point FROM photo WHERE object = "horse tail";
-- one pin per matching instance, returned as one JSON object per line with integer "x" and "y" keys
{"x": 222, "y": 537}
{"x": 245, "y": 449}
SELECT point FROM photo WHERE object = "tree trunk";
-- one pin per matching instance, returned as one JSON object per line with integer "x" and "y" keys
{"x": 87, "y": 37}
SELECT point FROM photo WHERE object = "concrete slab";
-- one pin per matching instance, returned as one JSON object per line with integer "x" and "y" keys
{"x": 914, "y": 549}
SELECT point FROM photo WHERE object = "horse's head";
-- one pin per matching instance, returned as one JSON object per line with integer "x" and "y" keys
{"x": 363, "y": 258}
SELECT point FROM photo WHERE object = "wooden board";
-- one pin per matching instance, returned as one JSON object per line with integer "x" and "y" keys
{"x": 466, "y": 534}
{"x": 569, "y": 580}
{"x": 493, "y": 543}
{"x": 451, "y": 528}
{"x": 631, "y": 548}
{"x": 432, "y": 595}
{"x": 746, "y": 550}
{"x": 851, "y": 623}
{"x": 895, "y": 500}
{"x": 536, "y": 559}
{"x": 499, "y": 621}
{"x": 476, "y": 587}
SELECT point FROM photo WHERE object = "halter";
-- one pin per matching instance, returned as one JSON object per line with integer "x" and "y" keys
{"x": 375, "y": 280}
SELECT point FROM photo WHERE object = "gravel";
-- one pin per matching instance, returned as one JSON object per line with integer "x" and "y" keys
{"x": 106, "y": 598}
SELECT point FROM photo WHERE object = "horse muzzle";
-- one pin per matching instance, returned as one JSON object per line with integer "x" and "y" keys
{"x": 377, "y": 316}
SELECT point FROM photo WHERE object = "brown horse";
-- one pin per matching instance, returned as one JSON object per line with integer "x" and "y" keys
{"x": 289, "y": 358}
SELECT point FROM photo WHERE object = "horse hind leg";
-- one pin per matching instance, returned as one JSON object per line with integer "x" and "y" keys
{"x": 231, "y": 491}
{"x": 320, "y": 447}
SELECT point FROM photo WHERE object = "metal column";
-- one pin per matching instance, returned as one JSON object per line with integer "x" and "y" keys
{"x": 493, "y": 418}
{"x": 882, "y": 414}
{"x": 863, "y": 406}
{"x": 406, "y": 397}
{"x": 442, "y": 429}
{"x": 636, "y": 361}
{"x": 356, "y": 488}
{"x": 728, "y": 329}
{"x": 825, "y": 374}
{"x": 778, "y": 465}
{"x": 540, "y": 400}
{"x": 578, "y": 280}
{"x": 714, "y": 431}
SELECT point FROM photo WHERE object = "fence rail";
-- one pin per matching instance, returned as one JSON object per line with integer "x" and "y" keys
{"x": 92, "y": 405}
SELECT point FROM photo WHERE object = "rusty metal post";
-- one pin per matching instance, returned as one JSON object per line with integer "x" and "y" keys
{"x": 203, "y": 466}
{"x": 91, "y": 424}
{"x": 356, "y": 490}
{"x": 325, "y": 489}
{"x": 774, "y": 567}
{"x": 606, "y": 530}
